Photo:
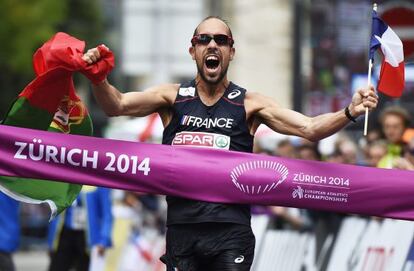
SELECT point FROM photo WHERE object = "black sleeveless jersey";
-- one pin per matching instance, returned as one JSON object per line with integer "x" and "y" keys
{"x": 220, "y": 126}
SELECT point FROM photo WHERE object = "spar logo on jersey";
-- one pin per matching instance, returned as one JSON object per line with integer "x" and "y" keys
{"x": 188, "y": 120}
{"x": 201, "y": 139}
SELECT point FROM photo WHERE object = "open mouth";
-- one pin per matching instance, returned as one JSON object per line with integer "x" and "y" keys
{"x": 212, "y": 62}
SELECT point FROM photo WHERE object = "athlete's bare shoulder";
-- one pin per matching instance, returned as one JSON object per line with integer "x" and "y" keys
{"x": 167, "y": 91}
{"x": 255, "y": 101}
{"x": 256, "y": 106}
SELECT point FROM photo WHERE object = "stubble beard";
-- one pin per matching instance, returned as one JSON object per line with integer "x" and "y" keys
{"x": 211, "y": 81}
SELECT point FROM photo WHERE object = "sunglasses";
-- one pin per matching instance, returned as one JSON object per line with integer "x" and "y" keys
{"x": 219, "y": 39}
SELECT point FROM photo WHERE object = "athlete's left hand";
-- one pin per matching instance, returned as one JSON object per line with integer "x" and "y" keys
{"x": 363, "y": 98}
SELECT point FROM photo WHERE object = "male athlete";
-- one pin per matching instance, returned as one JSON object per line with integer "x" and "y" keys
{"x": 202, "y": 235}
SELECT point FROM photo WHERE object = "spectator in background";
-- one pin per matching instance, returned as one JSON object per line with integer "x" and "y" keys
{"x": 365, "y": 141}
{"x": 85, "y": 226}
{"x": 394, "y": 121}
{"x": 348, "y": 150}
{"x": 345, "y": 151}
{"x": 375, "y": 151}
{"x": 285, "y": 148}
{"x": 259, "y": 149}
{"x": 9, "y": 231}
{"x": 146, "y": 241}
{"x": 291, "y": 218}
{"x": 148, "y": 208}
{"x": 373, "y": 135}
{"x": 407, "y": 161}
{"x": 308, "y": 152}
{"x": 335, "y": 157}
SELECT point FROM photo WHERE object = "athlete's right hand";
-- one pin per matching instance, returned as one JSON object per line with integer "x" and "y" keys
{"x": 92, "y": 55}
{"x": 98, "y": 63}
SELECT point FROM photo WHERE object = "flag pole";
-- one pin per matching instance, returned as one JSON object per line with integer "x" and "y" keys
{"x": 366, "y": 108}
{"x": 369, "y": 83}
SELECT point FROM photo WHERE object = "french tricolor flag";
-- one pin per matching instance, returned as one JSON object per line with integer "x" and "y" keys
{"x": 391, "y": 80}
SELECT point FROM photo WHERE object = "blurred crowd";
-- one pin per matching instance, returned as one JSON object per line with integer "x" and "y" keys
{"x": 390, "y": 146}
{"x": 120, "y": 230}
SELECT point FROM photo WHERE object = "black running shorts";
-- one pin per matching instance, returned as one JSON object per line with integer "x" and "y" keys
{"x": 209, "y": 246}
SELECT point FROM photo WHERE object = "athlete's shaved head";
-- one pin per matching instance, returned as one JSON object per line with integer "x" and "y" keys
{"x": 214, "y": 18}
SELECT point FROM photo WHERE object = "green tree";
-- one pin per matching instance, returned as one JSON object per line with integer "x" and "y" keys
{"x": 26, "y": 24}
{"x": 84, "y": 20}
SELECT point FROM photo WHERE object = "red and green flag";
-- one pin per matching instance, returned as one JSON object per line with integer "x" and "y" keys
{"x": 49, "y": 102}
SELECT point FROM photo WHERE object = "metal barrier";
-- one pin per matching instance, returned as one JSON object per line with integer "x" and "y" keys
{"x": 361, "y": 245}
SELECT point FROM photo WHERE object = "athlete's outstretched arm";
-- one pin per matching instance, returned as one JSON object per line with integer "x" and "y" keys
{"x": 264, "y": 110}
{"x": 115, "y": 103}
{"x": 139, "y": 104}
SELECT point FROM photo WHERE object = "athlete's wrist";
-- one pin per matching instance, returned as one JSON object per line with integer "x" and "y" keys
{"x": 101, "y": 83}
{"x": 349, "y": 115}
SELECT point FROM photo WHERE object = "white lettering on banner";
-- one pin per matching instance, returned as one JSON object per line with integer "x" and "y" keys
{"x": 124, "y": 164}
{"x": 51, "y": 153}
{"x": 93, "y": 159}
{"x": 331, "y": 181}
{"x": 39, "y": 156}
{"x": 76, "y": 157}
{"x": 71, "y": 153}
{"x": 201, "y": 139}
{"x": 316, "y": 181}
{"x": 22, "y": 146}
{"x": 313, "y": 194}
{"x": 188, "y": 120}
